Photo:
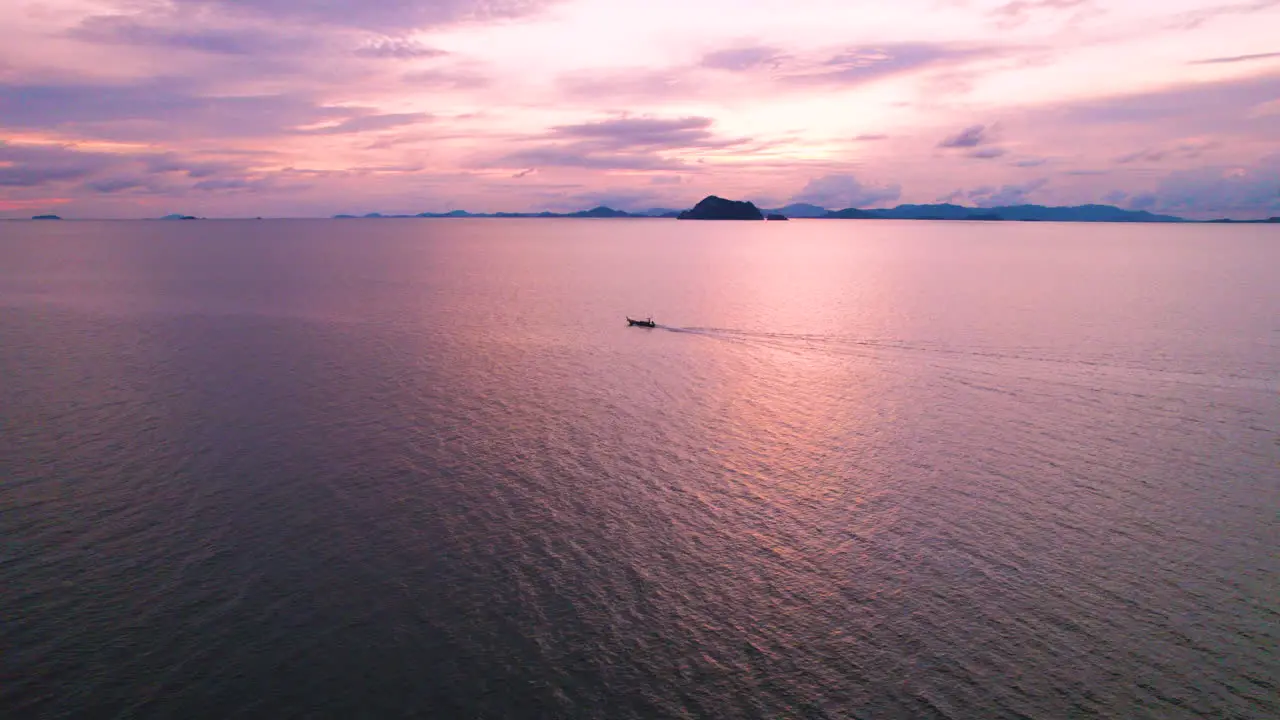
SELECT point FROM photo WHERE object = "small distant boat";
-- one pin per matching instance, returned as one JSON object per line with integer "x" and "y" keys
{"x": 641, "y": 323}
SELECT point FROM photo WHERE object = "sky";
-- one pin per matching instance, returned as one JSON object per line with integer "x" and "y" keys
{"x": 306, "y": 108}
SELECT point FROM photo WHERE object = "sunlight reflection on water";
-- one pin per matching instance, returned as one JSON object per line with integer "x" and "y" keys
{"x": 862, "y": 469}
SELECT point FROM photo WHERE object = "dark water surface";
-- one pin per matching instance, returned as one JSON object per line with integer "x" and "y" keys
{"x": 421, "y": 468}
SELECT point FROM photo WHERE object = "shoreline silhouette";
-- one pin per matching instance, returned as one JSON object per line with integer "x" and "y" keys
{"x": 714, "y": 207}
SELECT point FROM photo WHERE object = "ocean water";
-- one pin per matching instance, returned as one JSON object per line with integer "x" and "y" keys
{"x": 862, "y": 469}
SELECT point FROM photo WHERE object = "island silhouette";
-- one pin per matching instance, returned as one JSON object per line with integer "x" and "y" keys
{"x": 717, "y": 208}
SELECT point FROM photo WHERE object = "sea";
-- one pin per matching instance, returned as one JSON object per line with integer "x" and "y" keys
{"x": 424, "y": 468}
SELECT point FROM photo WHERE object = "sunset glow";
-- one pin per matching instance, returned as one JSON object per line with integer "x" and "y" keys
{"x": 123, "y": 108}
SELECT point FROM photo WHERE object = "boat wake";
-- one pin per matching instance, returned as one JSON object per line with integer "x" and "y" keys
{"x": 1034, "y": 360}
{"x": 791, "y": 341}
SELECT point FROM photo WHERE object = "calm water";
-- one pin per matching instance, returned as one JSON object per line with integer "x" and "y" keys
{"x": 863, "y": 469}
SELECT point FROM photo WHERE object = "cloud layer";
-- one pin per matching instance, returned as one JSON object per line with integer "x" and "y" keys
{"x": 288, "y": 107}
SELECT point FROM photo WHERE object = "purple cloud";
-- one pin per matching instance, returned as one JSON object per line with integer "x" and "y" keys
{"x": 179, "y": 33}
{"x": 368, "y": 123}
{"x": 1145, "y": 201}
{"x": 1195, "y": 18}
{"x": 1192, "y": 109}
{"x": 154, "y": 109}
{"x": 1236, "y": 59}
{"x": 845, "y": 191}
{"x": 108, "y": 172}
{"x": 398, "y": 48}
{"x": 1252, "y": 190}
{"x": 1185, "y": 151}
{"x": 742, "y": 59}
{"x": 972, "y": 136}
{"x": 115, "y": 184}
{"x": 858, "y": 65}
{"x": 625, "y": 143}
{"x": 786, "y": 72}
{"x": 646, "y": 132}
{"x": 987, "y": 153}
{"x": 371, "y": 14}
{"x": 1006, "y": 195}
{"x": 1150, "y": 156}
{"x": 444, "y": 78}
{"x": 570, "y": 157}
{"x": 35, "y": 165}
{"x": 231, "y": 184}
{"x": 171, "y": 162}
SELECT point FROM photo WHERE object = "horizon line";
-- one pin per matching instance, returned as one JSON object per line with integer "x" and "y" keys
{"x": 651, "y": 213}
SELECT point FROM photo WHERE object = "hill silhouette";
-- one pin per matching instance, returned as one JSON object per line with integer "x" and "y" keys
{"x": 601, "y": 212}
{"x": 717, "y": 208}
{"x": 596, "y": 212}
{"x": 1022, "y": 213}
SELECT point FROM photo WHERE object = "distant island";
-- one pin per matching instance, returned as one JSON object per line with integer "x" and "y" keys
{"x": 178, "y": 216}
{"x": 1020, "y": 213}
{"x": 714, "y": 207}
{"x": 717, "y": 208}
{"x": 45, "y": 217}
{"x": 597, "y": 212}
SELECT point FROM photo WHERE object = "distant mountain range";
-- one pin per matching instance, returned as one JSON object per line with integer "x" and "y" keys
{"x": 714, "y": 207}
{"x": 1022, "y": 213}
{"x": 597, "y": 212}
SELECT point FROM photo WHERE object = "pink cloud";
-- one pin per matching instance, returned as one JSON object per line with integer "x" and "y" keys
{"x": 241, "y": 107}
